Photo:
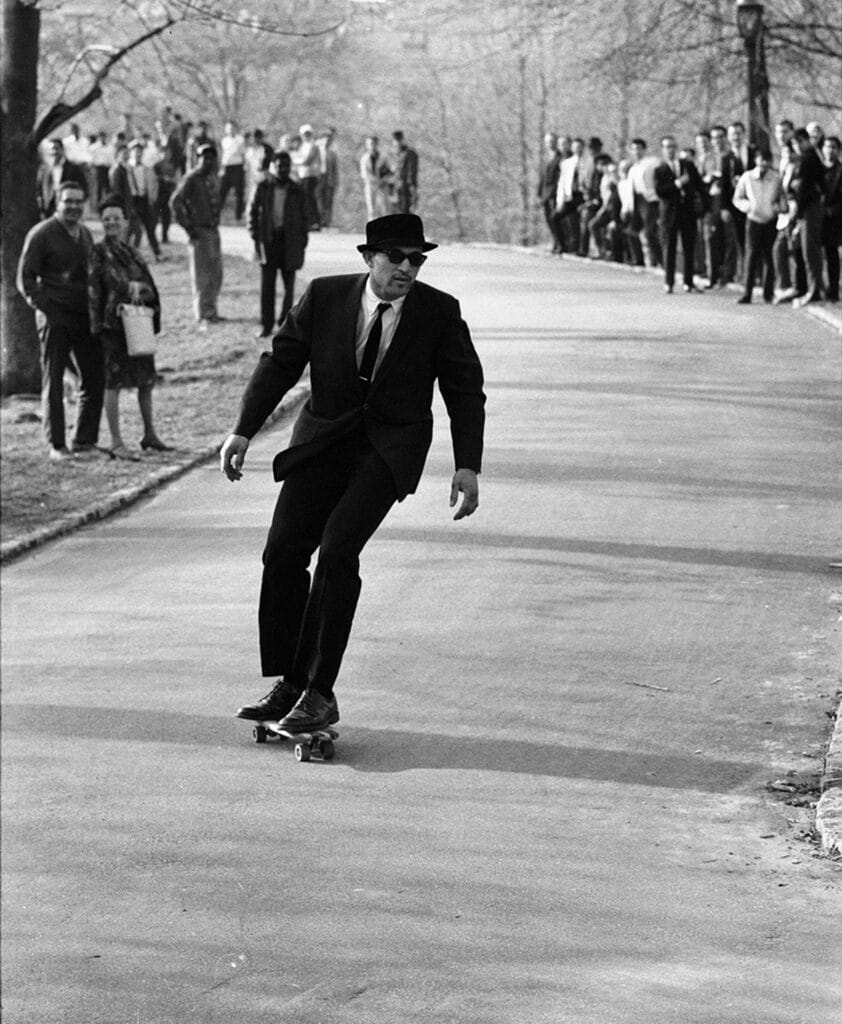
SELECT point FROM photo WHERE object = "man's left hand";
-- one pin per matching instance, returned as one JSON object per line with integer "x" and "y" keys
{"x": 465, "y": 481}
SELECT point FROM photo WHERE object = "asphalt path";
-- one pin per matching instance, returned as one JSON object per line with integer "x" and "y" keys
{"x": 559, "y": 717}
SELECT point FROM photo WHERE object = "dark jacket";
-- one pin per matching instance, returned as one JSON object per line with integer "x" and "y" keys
{"x": 548, "y": 185}
{"x": 46, "y": 190}
{"x": 195, "y": 203}
{"x": 691, "y": 201}
{"x": 432, "y": 342}
{"x": 53, "y": 272}
{"x": 112, "y": 267}
{"x": 118, "y": 184}
{"x": 296, "y": 220}
{"x": 807, "y": 183}
{"x": 833, "y": 203}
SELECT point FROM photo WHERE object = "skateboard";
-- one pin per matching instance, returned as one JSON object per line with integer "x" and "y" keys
{"x": 318, "y": 743}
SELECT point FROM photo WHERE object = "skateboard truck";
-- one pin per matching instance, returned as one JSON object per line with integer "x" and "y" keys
{"x": 319, "y": 743}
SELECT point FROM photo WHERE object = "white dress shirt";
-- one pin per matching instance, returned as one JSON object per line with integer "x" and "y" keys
{"x": 642, "y": 177}
{"x": 365, "y": 321}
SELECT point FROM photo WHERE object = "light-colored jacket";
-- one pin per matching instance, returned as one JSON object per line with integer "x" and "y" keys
{"x": 759, "y": 198}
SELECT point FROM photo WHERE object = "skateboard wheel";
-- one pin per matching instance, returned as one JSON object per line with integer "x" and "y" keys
{"x": 302, "y": 752}
{"x": 259, "y": 734}
{"x": 328, "y": 750}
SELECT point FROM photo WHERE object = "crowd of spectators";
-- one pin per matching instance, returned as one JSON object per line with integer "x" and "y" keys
{"x": 145, "y": 166}
{"x": 739, "y": 213}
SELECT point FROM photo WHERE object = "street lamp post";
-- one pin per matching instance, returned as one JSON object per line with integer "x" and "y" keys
{"x": 750, "y": 27}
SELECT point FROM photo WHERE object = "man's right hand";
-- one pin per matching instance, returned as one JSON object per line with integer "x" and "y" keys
{"x": 232, "y": 455}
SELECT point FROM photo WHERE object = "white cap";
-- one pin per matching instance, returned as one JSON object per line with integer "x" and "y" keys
{"x": 305, "y": 128}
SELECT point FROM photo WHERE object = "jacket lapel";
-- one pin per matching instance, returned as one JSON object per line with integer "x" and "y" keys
{"x": 350, "y": 314}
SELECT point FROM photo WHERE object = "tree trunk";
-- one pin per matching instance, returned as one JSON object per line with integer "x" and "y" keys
{"x": 20, "y": 364}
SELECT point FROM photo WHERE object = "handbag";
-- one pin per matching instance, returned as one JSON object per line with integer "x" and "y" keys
{"x": 138, "y": 328}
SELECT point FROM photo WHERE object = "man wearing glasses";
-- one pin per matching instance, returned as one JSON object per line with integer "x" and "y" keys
{"x": 376, "y": 343}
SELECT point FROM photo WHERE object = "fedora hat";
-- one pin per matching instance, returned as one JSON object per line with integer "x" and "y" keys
{"x": 396, "y": 229}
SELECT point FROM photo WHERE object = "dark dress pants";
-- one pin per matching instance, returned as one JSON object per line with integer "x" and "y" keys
{"x": 165, "y": 191}
{"x": 760, "y": 241}
{"x": 274, "y": 265}
{"x": 233, "y": 176}
{"x": 810, "y": 227}
{"x": 64, "y": 344}
{"x": 549, "y": 216}
{"x": 683, "y": 223}
{"x": 831, "y": 239}
{"x": 334, "y": 502}
{"x": 143, "y": 219}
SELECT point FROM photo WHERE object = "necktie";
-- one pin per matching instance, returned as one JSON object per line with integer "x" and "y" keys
{"x": 372, "y": 345}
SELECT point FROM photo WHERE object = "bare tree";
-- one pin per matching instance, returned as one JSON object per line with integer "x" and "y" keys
{"x": 22, "y": 131}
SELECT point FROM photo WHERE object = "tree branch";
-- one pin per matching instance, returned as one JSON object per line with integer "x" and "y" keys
{"x": 61, "y": 112}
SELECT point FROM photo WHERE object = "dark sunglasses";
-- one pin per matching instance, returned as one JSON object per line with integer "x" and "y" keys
{"x": 396, "y": 256}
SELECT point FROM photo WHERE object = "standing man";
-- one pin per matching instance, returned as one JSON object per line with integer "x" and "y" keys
{"x": 308, "y": 165}
{"x": 589, "y": 175}
{"x": 680, "y": 192}
{"x": 258, "y": 158}
{"x": 53, "y": 278}
{"x": 548, "y": 186}
{"x": 376, "y": 344}
{"x": 329, "y": 177}
{"x": 102, "y": 157}
{"x": 569, "y": 196}
{"x": 404, "y": 175}
{"x": 143, "y": 185}
{"x": 195, "y": 206}
{"x": 832, "y": 226}
{"x": 806, "y": 189}
{"x": 277, "y": 221}
{"x": 374, "y": 170}
{"x": 758, "y": 196}
{"x": 51, "y": 174}
{"x": 233, "y": 169}
{"x": 646, "y": 205}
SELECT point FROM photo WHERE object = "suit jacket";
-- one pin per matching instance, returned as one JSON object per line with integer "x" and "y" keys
{"x": 806, "y": 186}
{"x": 405, "y": 169}
{"x": 833, "y": 202}
{"x": 46, "y": 190}
{"x": 720, "y": 189}
{"x": 118, "y": 183}
{"x": 149, "y": 177}
{"x": 432, "y": 342}
{"x": 296, "y": 220}
{"x": 677, "y": 203}
{"x": 548, "y": 184}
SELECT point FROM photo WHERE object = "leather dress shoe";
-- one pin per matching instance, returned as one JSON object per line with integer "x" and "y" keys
{"x": 312, "y": 711}
{"x": 277, "y": 703}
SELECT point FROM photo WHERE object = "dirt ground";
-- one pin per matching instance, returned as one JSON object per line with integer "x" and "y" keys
{"x": 201, "y": 377}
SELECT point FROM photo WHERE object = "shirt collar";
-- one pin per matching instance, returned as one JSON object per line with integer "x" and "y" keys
{"x": 371, "y": 301}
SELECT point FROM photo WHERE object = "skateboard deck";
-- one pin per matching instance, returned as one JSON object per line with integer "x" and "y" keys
{"x": 319, "y": 743}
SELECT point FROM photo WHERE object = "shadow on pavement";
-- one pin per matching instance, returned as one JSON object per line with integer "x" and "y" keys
{"x": 761, "y": 561}
{"x": 391, "y": 750}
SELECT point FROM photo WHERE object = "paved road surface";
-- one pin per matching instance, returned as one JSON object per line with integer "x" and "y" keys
{"x": 558, "y": 718}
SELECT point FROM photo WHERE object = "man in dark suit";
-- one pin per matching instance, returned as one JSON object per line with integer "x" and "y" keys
{"x": 832, "y": 224}
{"x": 375, "y": 343}
{"x": 806, "y": 188}
{"x": 57, "y": 170}
{"x": 277, "y": 220}
{"x": 720, "y": 238}
{"x": 404, "y": 166}
{"x": 682, "y": 200}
